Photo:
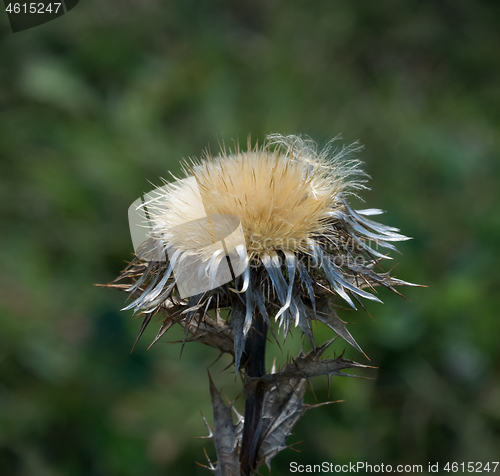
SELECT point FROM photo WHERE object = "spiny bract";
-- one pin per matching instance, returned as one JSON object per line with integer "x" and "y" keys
{"x": 304, "y": 243}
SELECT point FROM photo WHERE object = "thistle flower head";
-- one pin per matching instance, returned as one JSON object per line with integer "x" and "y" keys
{"x": 283, "y": 196}
{"x": 303, "y": 241}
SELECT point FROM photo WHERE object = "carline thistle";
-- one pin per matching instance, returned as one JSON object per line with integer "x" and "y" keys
{"x": 268, "y": 235}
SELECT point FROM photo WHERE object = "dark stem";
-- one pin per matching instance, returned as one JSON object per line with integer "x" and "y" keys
{"x": 255, "y": 366}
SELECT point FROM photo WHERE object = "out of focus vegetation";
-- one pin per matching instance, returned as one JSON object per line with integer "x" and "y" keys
{"x": 106, "y": 99}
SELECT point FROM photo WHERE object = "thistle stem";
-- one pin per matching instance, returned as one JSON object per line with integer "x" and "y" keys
{"x": 255, "y": 366}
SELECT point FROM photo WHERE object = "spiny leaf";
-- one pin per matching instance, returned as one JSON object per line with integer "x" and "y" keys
{"x": 224, "y": 436}
{"x": 334, "y": 322}
{"x": 216, "y": 334}
{"x": 306, "y": 366}
{"x": 284, "y": 397}
{"x": 284, "y": 405}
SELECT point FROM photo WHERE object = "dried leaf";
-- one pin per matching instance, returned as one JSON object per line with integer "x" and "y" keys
{"x": 284, "y": 398}
{"x": 224, "y": 436}
{"x": 306, "y": 366}
{"x": 218, "y": 335}
{"x": 283, "y": 406}
{"x": 334, "y": 322}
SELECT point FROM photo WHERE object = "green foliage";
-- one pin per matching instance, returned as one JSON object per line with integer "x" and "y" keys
{"x": 110, "y": 96}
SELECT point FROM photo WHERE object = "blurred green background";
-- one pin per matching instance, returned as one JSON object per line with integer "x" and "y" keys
{"x": 106, "y": 99}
